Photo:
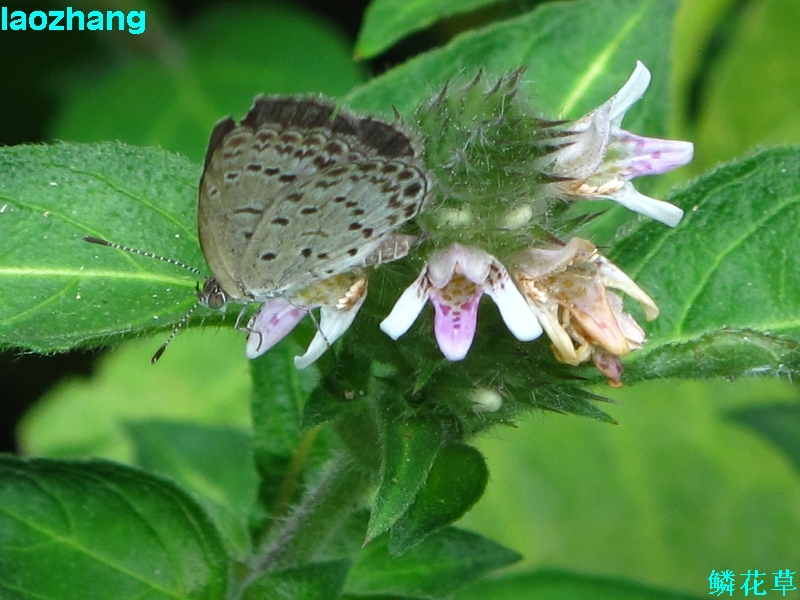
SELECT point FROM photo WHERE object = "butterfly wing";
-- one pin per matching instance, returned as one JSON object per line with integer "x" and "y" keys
{"x": 251, "y": 170}
{"x": 330, "y": 222}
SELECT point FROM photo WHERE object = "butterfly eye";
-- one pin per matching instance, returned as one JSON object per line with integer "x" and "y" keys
{"x": 217, "y": 301}
{"x": 212, "y": 295}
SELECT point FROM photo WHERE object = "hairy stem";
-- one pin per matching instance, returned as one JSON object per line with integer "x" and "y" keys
{"x": 315, "y": 520}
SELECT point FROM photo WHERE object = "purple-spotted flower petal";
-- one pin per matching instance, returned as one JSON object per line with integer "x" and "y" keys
{"x": 456, "y": 315}
{"x": 597, "y": 159}
{"x": 273, "y": 321}
{"x": 454, "y": 281}
{"x": 339, "y": 298}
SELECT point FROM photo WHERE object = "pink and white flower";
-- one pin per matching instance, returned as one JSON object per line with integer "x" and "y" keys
{"x": 454, "y": 280}
{"x": 339, "y": 299}
{"x": 597, "y": 158}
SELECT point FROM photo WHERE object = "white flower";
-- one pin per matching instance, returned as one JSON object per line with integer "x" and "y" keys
{"x": 597, "y": 158}
{"x": 339, "y": 298}
{"x": 454, "y": 281}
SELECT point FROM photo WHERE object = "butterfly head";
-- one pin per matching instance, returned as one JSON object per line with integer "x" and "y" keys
{"x": 212, "y": 295}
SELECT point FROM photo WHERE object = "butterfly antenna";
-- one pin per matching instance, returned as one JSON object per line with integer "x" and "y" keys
{"x": 175, "y": 330}
{"x": 185, "y": 319}
{"x": 101, "y": 242}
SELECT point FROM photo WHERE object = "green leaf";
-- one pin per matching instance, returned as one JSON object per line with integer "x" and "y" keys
{"x": 322, "y": 406}
{"x": 87, "y": 530}
{"x": 68, "y": 293}
{"x": 779, "y": 424}
{"x": 279, "y": 392}
{"x": 443, "y": 562}
{"x": 578, "y": 55}
{"x": 315, "y": 581}
{"x": 228, "y": 56}
{"x": 732, "y": 307}
{"x": 387, "y": 21}
{"x": 410, "y": 446}
{"x": 454, "y": 484}
{"x": 753, "y": 87}
{"x": 215, "y": 463}
{"x": 202, "y": 379}
{"x": 558, "y": 585}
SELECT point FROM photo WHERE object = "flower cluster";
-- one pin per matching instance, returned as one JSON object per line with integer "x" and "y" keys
{"x": 561, "y": 288}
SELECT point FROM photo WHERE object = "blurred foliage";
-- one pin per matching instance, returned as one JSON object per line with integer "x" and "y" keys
{"x": 670, "y": 493}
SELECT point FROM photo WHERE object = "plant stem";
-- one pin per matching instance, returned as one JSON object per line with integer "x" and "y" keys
{"x": 312, "y": 523}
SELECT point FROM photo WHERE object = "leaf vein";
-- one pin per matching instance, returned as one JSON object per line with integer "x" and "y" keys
{"x": 595, "y": 69}
{"x": 706, "y": 277}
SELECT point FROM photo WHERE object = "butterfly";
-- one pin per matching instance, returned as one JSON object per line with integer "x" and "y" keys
{"x": 298, "y": 192}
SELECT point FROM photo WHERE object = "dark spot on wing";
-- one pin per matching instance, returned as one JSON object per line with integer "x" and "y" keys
{"x": 321, "y": 161}
{"x": 412, "y": 189}
{"x": 335, "y": 148}
{"x": 290, "y": 137}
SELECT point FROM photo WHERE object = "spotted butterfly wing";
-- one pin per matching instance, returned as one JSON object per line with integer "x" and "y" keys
{"x": 297, "y": 192}
{"x": 336, "y": 218}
